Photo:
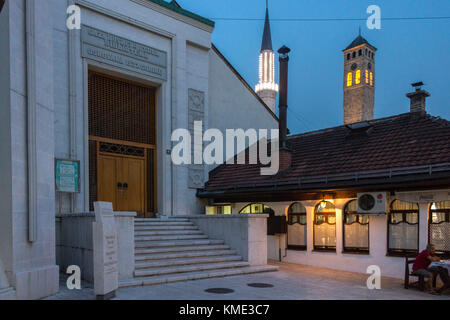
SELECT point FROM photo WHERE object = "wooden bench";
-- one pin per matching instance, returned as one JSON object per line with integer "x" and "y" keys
{"x": 408, "y": 273}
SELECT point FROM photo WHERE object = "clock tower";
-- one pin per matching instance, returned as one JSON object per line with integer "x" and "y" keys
{"x": 359, "y": 81}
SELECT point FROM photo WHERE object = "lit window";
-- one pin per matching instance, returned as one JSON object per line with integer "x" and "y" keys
{"x": 358, "y": 77}
{"x": 296, "y": 236}
{"x": 367, "y": 76}
{"x": 349, "y": 79}
{"x": 439, "y": 227}
{"x": 325, "y": 227}
{"x": 256, "y": 208}
{"x": 356, "y": 229}
{"x": 371, "y": 78}
{"x": 403, "y": 228}
{"x": 213, "y": 210}
{"x": 272, "y": 221}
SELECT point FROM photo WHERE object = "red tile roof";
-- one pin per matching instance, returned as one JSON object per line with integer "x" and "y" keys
{"x": 413, "y": 141}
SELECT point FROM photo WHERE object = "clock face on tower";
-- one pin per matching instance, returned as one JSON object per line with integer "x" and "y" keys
{"x": 354, "y": 66}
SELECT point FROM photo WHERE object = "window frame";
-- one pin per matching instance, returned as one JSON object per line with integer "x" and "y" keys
{"x": 222, "y": 207}
{"x": 358, "y": 76}
{"x": 445, "y": 254}
{"x": 402, "y": 252}
{"x": 351, "y": 249}
{"x": 324, "y": 248}
{"x": 349, "y": 79}
{"x": 290, "y": 223}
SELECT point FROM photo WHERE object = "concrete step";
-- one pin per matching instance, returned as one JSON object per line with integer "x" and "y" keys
{"x": 170, "y": 238}
{"x": 165, "y": 228}
{"x": 214, "y": 273}
{"x": 160, "y": 220}
{"x": 182, "y": 255}
{"x": 189, "y": 268}
{"x": 184, "y": 262}
{"x": 177, "y": 243}
{"x": 167, "y": 233}
{"x": 178, "y": 250}
{"x": 163, "y": 224}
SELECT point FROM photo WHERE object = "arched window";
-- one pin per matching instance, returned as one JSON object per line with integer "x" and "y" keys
{"x": 371, "y": 78}
{"x": 403, "y": 228}
{"x": 439, "y": 227}
{"x": 349, "y": 79}
{"x": 360, "y": 52}
{"x": 356, "y": 229}
{"x": 354, "y": 54}
{"x": 358, "y": 77}
{"x": 367, "y": 76}
{"x": 348, "y": 56}
{"x": 296, "y": 237}
{"x": 325, "y": 227}
{"x": 256, "y": 208}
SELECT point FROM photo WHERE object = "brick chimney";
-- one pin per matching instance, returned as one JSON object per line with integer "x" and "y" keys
{"x": 285, "y": 151}
{"x": 418, "y": 98}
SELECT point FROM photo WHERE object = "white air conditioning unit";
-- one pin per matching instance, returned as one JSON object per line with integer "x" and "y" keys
{"x": 373, "y": 203}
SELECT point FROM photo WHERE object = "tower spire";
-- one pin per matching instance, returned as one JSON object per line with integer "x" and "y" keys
{"x": 267, "y": 88}
{"x": 267, "y": 36}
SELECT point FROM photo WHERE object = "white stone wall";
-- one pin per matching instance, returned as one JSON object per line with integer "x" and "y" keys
{"x": 29, "y": 265}
{"x": 247, "y": 234}
{"x": 390, "y": 266}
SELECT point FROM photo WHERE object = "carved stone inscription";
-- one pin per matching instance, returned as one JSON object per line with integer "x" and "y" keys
{"x": 108, "y": 48}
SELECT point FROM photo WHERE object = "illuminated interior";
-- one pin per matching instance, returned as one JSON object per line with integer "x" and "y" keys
{"x": 358, "y": 77}
{"x": 349, "y": 79}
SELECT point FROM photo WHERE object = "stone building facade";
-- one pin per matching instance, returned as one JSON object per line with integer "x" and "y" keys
{"x": 65, "y": 90}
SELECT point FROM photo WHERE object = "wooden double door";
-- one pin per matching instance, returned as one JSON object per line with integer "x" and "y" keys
{"x": 121, "y": 180}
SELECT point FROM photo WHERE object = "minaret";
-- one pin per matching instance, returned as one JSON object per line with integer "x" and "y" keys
{"x": 267, "y": 89}
{"x": 359, "y": 80}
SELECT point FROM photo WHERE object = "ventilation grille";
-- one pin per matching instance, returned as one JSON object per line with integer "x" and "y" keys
{"x": 120, "y": 110}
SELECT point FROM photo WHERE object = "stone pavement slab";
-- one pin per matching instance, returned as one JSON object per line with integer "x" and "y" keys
{"x": 292, "y": 282}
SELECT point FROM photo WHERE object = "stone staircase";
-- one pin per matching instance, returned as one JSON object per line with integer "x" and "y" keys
{"x": 172, "y": 250}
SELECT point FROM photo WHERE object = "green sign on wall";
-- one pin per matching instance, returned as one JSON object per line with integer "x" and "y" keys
{"x": 67, "y": 176}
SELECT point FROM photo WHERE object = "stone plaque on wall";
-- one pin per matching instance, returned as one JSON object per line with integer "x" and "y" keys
{"x": 108, "y": 48}
{"x": 196, "y": 112}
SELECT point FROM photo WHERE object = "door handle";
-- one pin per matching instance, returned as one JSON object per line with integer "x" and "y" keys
{"x": 119, "y": 185}
{"x": 125, "y": 185}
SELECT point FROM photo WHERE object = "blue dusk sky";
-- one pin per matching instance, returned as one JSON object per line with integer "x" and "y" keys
{"x": 408, "y": 51}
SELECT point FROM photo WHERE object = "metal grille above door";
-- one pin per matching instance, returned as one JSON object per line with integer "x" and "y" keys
{"x": 121, "y": 110}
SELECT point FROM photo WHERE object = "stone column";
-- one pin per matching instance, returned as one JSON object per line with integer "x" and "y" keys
{"x": 423, "y": 225}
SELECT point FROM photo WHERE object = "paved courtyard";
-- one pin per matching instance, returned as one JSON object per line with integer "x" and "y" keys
{"x": 292, "y": 282}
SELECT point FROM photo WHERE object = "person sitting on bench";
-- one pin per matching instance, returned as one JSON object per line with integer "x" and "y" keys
{"x": 422, "y": 263}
